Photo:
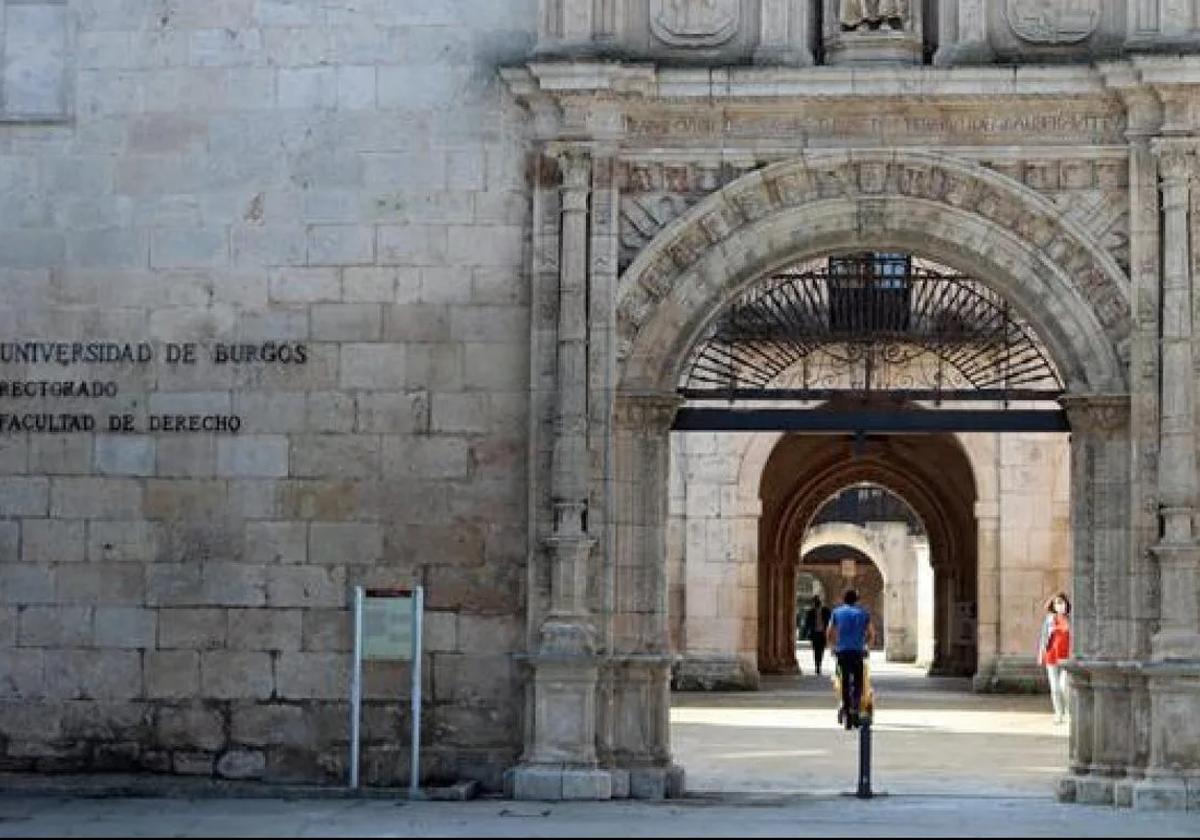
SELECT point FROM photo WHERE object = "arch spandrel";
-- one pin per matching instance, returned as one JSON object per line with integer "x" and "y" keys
{"x": 972, "y": 219}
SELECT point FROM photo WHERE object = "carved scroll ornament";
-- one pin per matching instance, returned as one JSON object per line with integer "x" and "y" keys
{"x": 1053, "y": 21}
{"x": 695, "y": 23}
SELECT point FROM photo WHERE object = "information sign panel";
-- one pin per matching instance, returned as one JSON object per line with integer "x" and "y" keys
{"x": 388, "y": 625}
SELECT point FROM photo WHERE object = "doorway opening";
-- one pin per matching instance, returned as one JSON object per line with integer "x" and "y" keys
{"x": 878, "y": 422}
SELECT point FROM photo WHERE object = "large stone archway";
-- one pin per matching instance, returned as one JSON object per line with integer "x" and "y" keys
{"x": 931, "y": 473}
{"x": 969, "y": 218}
{"x": 976, "y": 221}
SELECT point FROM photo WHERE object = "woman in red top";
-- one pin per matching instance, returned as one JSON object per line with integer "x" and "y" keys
{"x": 1055, "y": 648}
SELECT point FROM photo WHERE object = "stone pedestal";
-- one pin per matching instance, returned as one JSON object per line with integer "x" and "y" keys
{"x": 1172, "y": 780}
{"x": 880, "y": 46}
{"x": 562, "y": 762}
{"x": 714, "y": 673}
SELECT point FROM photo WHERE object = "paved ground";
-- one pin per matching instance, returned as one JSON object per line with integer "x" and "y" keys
{"x": 931, "y": 737}
{"x": 765, "y": 764}
{"x": 816, "y": 817}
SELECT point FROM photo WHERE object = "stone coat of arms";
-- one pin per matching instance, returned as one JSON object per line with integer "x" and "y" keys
{"x": 1053, "y": 21}
{"x": 695, "y": 23}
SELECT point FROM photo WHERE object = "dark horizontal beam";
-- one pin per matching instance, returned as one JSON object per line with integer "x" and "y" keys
{"x": 898, "y": 396}
{"x": 900, "y": 421}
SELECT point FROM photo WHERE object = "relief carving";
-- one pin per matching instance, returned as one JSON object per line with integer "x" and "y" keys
{"x": 694, "y": 23}
{"x": 873, "y": 13}
{"x": 1053, "y": 21}
{"x": 1039, "y": 224}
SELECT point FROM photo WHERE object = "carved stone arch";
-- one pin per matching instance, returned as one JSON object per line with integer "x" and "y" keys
{"x": 975, "y": 220}
{"x": 854, "y": 536}
{"x": 946, "y": 509}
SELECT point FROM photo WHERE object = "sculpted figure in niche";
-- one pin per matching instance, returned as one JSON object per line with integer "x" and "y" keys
{"x": 873, "y": 13}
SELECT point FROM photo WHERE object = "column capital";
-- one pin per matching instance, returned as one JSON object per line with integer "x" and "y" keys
{"x": 1096, "y": 413}
{"x": 652, "y": 412}
{"x": 1176, "y": 158}
{"x": 575, "y": 163}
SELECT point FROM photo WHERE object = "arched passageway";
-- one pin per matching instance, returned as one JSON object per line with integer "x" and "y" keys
{"x": 840, "y": 567}
{"x": 931, "y": 473}
{"x": 990, "y": 228}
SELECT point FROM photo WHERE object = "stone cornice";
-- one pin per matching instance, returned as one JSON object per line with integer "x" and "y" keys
{"x": 595, "y": 99}
{"x": 562, "y": 78}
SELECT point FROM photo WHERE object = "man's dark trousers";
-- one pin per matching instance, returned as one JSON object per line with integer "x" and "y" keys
{"x": 818, "y": 646}
{"x": 851, "y": 664}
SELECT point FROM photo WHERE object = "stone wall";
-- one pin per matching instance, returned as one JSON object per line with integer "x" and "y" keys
{"x": 345, "y": 179}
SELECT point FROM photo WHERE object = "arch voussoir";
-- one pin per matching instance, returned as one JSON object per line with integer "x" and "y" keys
{"x": 969, "y": 217}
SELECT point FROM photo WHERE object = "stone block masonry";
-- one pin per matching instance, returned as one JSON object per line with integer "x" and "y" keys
{"x": 306, "y": 220}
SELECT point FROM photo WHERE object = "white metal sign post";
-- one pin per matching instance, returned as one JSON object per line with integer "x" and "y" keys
{"x": 387, "y": 627}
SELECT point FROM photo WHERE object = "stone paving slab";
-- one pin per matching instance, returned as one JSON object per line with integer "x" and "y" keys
{"x": 726, "y": 816}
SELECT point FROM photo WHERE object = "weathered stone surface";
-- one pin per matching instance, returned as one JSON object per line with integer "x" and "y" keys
{"x": 265, "y": 629}
{"x": 53, "y": 541}
{"x": 171, "y": 674}
{"x": 242, "y": 764}
{"x": 192, "y": 629}
{"x": 93, "y": 675}
{"x": 226, "y": 675}
{"x": 313, "y": 676}
{"x": 55, "y": 627}
{"x": 306, "y": 586}
{"x": 267, "y": 724}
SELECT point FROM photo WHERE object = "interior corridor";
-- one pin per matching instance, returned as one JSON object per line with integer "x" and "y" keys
{"x": 932, "y": 737}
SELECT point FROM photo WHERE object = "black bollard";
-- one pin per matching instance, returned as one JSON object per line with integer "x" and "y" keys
{"x": 864, "y": 761}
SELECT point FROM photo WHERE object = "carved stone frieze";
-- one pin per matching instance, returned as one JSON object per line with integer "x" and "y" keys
{"x": 1053, "y": 21}
{"x": 653, "y": 195}
{"x": 863, "y": 177}
{"x": 695, "y": 23}
{"x": 1092, "y": 193}
{"x": 1100, "y": 414}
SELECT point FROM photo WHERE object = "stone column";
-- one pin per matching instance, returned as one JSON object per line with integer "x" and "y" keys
{"x": 640, "y": 664}
{"x": 1178, "y": 550}
{"x": 785, "y": 30}
{"x": 561, "y": 761}
{"x": 777, "y": 604}
{"x": 1174, "y": 670}
{"x": 963, "y": 35}
{"x": 945, "y": 587}
{"x": 1102, "y": 606}
{"x": 566, "y": 26}
{"x": 987, "y": 518}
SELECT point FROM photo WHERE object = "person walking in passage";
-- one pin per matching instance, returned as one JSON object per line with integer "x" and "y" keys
{"x": 850, "y": 632}
{"x": 1054, "y": 648}
{"x": 816, "y": 622}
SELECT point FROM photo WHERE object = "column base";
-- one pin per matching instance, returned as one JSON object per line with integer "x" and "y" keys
{"x": 548, "y": 783}
{"x": 656, "y": 783}
{"x": 882, "y": 46}
{"x": 776, "y": 56}
{"x": 714, "y": 673}
{"x": 1010, "y": 676}
{"x": 1167, "y": 792}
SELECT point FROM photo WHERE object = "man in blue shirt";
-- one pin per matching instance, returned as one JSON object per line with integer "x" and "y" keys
{"x": 850, "y": 633}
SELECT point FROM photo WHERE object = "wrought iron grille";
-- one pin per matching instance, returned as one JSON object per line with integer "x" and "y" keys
{"x": 871, "y": 323}
{"x": 865, "y": 503}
